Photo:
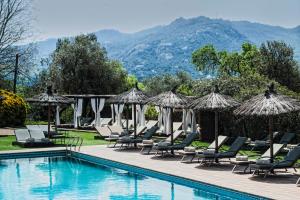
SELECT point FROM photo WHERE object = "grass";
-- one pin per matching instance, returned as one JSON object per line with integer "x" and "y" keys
{"x": 88, "y": 139}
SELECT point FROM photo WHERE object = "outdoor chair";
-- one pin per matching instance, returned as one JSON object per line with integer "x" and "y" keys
{"x": 127, "y": 140}
{"x": 147, "y": 145}
{"x": 287, "y": 138}
{"x": 102, "y": 132}
{"x": 288, "y": 162}
{"x": 244, "y": 161}
{"x": 211, "y": 156}
{"x": 192, "y": 151}
{"x": 264, "y": 143}
{"x": 166, "y": 147}
{"x": 22, "y": 137}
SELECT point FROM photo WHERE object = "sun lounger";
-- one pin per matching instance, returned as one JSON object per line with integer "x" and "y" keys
{"x": 35, "y": 138}
{"x": 116, "y": 135}
{"x": 103, "y": 132}
{"x": 191, "y": 152}
{"x": 288, "y": 162}
{"x": 147, "y": 145}
{"x": 32, "y": 127}
{"x": 245, "y": 161}
{"x": 211, "y": 156}
{"x": 151, "y": 123}
{"x": 264, "y": 143}
{"x": 166, "y": 147}
{"x": 287, "y": 138}
{"x": 22, "y": 137}
{"x": 105, "y": 121}
{"x": 130, "y": 140}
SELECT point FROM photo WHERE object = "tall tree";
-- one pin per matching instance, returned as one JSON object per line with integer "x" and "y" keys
{"x": 81, "y": 66}
{"x": 277, "y": 62}
{"x": 14, "y": 27}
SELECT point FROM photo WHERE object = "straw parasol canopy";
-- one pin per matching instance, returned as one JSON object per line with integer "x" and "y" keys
{"x": 1, "y": 98}
{"x": 49, "y": 99}
{"x": 132, "y": 97}
{"x": 216, "y": 103}
{"x": 170, "y": 100}
{"x": 268, "y": 104}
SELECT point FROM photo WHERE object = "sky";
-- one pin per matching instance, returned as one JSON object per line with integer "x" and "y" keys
{"x": 58, "y": 18}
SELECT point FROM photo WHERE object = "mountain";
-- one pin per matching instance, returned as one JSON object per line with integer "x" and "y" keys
{"x": 168, "y": 48}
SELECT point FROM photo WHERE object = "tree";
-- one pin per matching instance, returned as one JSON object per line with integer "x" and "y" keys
{"x": 81, "y": 66}
{"x": 159, "y": 84}
{"x": 206, "y": 59}
{"x": 14, "y": 27}
{"x": 277, "y": 62}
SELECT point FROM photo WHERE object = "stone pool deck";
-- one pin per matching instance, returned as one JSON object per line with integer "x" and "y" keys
{"x": 276, "y": 187}
{"x": 281, "y": 186}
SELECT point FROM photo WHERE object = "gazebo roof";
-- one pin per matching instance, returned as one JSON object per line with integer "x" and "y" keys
{"x": 268, "y": 104}
{"x": 169, "y": 99}
{"x": 49, "y": 97}
{"x": 214, "y": 102}
{"x": 133, "y": 96}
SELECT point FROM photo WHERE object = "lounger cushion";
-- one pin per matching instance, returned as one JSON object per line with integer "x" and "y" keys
{"x": 163, "y": 144}
{"x": 30, "y": 140}
{"x": 263, "y": 161}
{"x": 189, "y": 149}
{"x": 209, "y": 152}
{"x": 148, "y": 141}
{"x": 241, "y": 158}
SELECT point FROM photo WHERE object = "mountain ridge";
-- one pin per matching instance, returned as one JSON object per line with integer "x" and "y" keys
{"x": 167, "y": 48}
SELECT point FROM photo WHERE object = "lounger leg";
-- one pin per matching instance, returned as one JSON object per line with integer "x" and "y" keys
{"x": 233, "y": 168}
{"x": 254, "y": 172}
{"x": 246, "y": 169}
{"x": 183, "y": 157}
{"x": 149, "y": 150}
{"x": 298, "y": 181}
{"x": 266, "y": 173}
{"x": 142, "y": 150}
{"x": 193, "y": 156}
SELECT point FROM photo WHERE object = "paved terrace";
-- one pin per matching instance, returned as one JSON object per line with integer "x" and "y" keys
{"x": 275, "y": 187}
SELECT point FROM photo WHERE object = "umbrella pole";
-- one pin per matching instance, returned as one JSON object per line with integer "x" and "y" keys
{"x": 134, "y": 122}
{"x": 271, "y": 138}
{"x": 49, "y": 118}
{"x": 216, "y": 134}
{"x": 171, "y": 120}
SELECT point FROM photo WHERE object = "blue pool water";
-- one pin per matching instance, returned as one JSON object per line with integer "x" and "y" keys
{"x": 68, "y": 178}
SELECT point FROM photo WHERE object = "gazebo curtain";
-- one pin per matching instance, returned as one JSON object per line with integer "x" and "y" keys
{"x": 77, "y": 111}
{"x": 189, "y": 119}
{"x": 160, "y": 116}
{"x": 113, "y": 116}
{"x": 167, "y": 120}
{"x": 118, "y": 110}
{"x": 141, "y": 114}
{"x": 97, "y": 106}
{"x": 57, "y": 116}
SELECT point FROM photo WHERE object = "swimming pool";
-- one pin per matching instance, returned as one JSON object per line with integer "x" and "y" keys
{"x": 73, "y": 178}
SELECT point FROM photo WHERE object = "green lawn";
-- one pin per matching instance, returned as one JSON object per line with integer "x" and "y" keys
{"x": 88, "y": 139}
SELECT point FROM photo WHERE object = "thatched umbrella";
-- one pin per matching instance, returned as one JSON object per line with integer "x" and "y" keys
{"x": 269, "y": 104}
{"x": 216, "y": 103}
{"x": 49, "y": 99}
{"x": 132, "y": 97}
{"x": 170, "y": 100}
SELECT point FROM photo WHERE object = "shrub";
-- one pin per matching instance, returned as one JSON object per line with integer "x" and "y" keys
{"x": 12, "y": 109}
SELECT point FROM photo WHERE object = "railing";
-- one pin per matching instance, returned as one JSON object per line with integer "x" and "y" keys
{"x": 73, "y": 144}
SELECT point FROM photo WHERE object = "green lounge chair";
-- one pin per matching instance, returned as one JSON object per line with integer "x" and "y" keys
{"x": 192, "y": 152}
{"x": 128, "y": 140}
{"x": 166, "y": 147}
{"x": 211, "y": 156}
{"x": 288, "y": 162}
{"x": 147, "y": 145}
{"x": 266, "y": 156}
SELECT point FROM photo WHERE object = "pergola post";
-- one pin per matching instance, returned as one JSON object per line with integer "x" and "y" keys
{"x": 134, "y": 122}
{"x": 172, "y": 137}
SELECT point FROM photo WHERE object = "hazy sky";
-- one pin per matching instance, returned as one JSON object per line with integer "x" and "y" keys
{"x": 56, "y": 18}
